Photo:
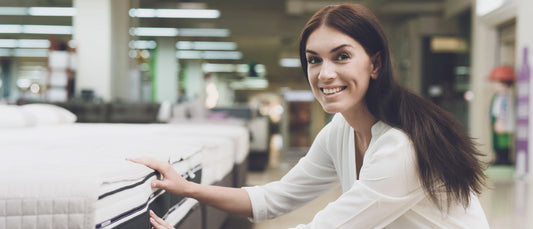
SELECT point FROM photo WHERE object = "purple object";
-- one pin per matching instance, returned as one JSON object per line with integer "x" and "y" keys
{"x": 522, "y": 120}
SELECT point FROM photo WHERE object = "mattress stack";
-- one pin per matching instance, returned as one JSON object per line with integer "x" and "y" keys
{"x": 75, "y": 175}
{"x": 73, "y": 182}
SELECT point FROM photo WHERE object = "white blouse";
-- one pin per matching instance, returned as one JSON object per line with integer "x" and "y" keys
{"x": 388, "y": 193}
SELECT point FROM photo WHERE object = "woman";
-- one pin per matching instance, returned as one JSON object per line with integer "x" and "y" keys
{"x": 402, "y": 161}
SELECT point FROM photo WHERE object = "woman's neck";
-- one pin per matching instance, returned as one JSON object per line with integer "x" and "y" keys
{"x": 361, "y": 120}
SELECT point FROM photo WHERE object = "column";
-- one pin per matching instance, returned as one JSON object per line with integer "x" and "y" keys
{"x": 165, "y": 79}
{"x": 6, "y": 78}
{"x": 101, "y": 35}
{"x": 195, "y": 82}
{"x": 483, "y": 60}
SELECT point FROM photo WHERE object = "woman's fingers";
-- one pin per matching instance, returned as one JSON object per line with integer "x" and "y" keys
{"x": 157, "y": 222}
{"x": 163, "y": 184}
{"x": 172, "y": 181}
{"x": 151, "y": 163}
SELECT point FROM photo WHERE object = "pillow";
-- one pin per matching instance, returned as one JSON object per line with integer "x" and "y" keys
{"x": 49, "y": 114}
{"x": 12, "y": 116}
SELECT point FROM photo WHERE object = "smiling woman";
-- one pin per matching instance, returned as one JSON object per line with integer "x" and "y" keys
{"x": 402, "y": 161}
{"x": 339, "y": 70}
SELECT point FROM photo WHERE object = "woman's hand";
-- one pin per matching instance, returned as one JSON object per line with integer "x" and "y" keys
{"x": 172, "y": 182}
{"x": 158, "y": 223}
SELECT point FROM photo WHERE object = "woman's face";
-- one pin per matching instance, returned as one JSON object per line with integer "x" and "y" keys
{"x": 339, "y": 70}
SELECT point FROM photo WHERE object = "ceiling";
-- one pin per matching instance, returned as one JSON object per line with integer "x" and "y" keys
{"x": 264, "y": 31}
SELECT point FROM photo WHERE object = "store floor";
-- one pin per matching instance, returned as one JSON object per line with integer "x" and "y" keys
{"x": 508, "y": 202}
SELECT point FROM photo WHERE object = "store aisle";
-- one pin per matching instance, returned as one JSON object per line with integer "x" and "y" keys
{"x": 508, "y": 202}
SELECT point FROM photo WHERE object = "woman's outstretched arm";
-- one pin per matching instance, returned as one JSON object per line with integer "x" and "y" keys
{"x": 233, "y": 200}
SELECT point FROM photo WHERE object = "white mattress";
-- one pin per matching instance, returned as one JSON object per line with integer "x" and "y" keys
{"x": 54, "y": 179}
{"x": 239, "y": 134}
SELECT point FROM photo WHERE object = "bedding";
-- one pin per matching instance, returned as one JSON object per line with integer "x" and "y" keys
{"x": 12, "y": 116}
{"x": 75, "y": 175}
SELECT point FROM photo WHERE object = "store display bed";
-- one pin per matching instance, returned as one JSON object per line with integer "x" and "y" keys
{"x": 75, "y": 176}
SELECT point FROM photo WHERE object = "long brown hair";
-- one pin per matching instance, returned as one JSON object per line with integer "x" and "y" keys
{"x": 447, "y": 158}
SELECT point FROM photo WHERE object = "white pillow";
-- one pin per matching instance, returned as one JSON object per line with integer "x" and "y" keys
{"x": 12, "y": 116}
{"x": 49, "y": 114}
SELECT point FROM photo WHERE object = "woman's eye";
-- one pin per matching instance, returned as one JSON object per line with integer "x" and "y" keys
{"x": 313, "y": 60}
{"x": 343, "y": 56}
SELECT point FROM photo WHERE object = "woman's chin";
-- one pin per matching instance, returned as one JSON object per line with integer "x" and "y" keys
{"x": 331, "y": 109}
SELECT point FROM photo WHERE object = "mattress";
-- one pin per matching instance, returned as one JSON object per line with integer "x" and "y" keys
{"x": 219, "y": 150}
{"x": 75, "y": 176}
{"x": 122, "y": 203}
{"x": 238, "y": 134}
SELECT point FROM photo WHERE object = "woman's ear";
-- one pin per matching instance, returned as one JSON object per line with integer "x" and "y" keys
{"x": 376, "y": 65}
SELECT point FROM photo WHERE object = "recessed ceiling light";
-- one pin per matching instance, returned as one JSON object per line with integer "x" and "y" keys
{"x": 218, "y": 55}
{"x": 153, "y": 31}
{"x": 51, "y": 11}
{"x": 206, "y": 45}
{"x": 200, "y": 32}
{"x": 175, "y": 13}
{"x": 289, "y": 62}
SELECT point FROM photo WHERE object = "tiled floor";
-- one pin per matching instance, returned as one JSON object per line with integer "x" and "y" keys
{"x": 508, "y": 202}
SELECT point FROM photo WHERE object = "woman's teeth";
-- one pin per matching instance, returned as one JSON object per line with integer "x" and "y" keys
{"x": 329, "y": 91}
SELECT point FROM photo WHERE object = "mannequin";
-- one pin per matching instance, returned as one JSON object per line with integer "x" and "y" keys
{"x": 502, "y": 114}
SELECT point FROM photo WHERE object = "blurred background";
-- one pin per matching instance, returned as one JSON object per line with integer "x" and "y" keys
{"x": 147, "y": 61}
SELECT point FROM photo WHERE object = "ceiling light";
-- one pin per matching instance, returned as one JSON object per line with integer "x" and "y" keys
{"x": 299, "y": 96}
{"x": 142, "y": 13}
{"x": 250, "y": 83}
{"x": 24, "y": 52}
{"x": 13, "y": 11}
{"x": 189, "y": 55}
{"x": 10, "y": 29}
{"x": 47, "y": 29}
{"x": 33, "y": 43}
{"x": 24, "y": 43}
{"x": 31, "y": 52}
{"x": 188, "y": 13}
{"x": 448, "y": 44}
{"x": 204, "y": 32}
{"x": 38, "y": 11}
{"x": 231, "y": 55}
{"x": 260, "y": 69}
{"x": 51, "y": 11}
{"x": 5, "y": 52}
{"x": 174, "y": 13}
{"x": 8, "y": 43}
{"x": 243, "y": 68}
{"x": 172, "y": 32}
{"x": 142, "y": 44}
{"x": 218, "y": 55}
{"x": 206, "y": 45}
{"x": 207, "y": 67}
{"x": 289, "y": 62}
{"x": 153, "y": 31}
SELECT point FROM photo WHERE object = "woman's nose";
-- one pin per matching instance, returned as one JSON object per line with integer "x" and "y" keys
{"x": 327, "y": 71}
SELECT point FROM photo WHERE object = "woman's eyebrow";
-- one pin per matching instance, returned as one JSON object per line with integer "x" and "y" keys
{"x": 339, "y": 47}
{"x": 310, "y": 51}
{"x": 332, "y": 50}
